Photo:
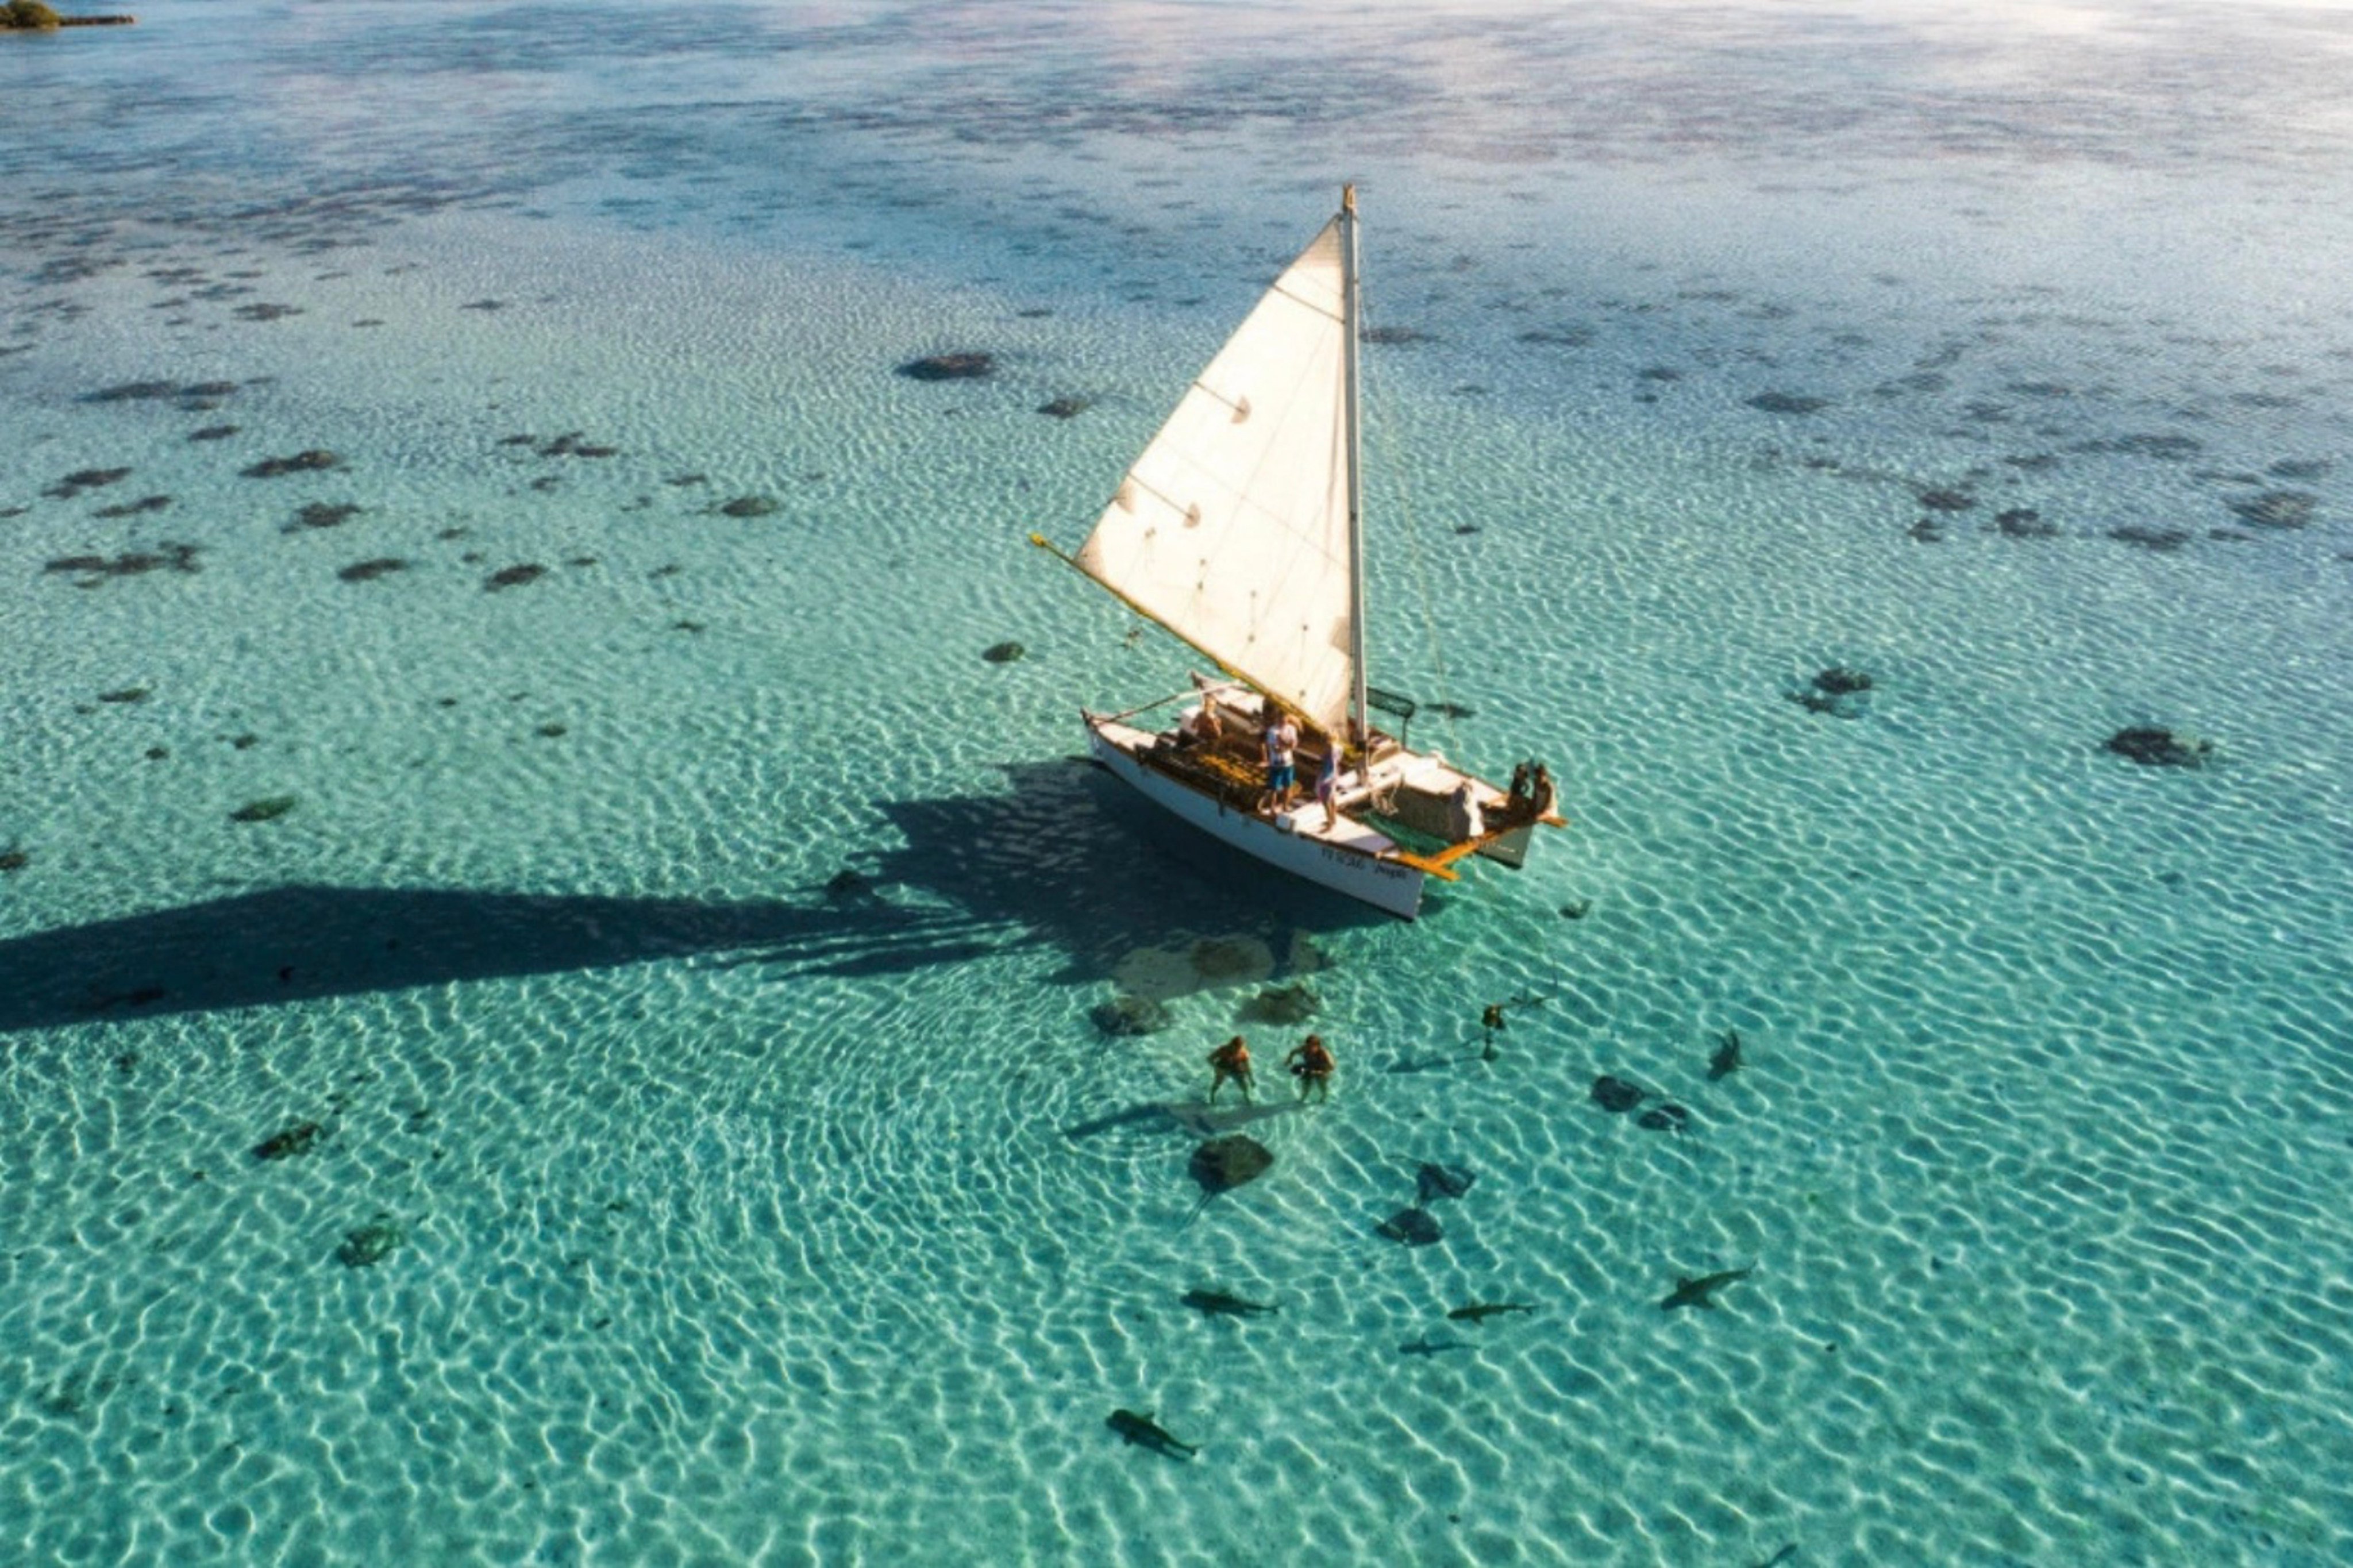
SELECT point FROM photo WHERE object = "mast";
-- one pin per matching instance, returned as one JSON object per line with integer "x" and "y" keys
{"x": 1349, "y": 305}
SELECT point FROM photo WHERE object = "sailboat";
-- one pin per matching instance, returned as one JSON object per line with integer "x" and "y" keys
{"x": 1239, "y": 529}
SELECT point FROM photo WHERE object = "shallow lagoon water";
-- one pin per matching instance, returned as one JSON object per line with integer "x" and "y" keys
{"x": 741, "y": 1220}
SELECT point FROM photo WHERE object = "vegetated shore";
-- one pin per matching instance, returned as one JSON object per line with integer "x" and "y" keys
{"x": 22, "y": 17}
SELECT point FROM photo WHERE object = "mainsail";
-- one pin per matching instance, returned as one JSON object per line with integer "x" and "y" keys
{"x": 1232, "y": 527}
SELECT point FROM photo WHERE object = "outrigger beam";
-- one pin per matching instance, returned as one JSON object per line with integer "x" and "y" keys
{"x": 1429, "y": 865}
{"x": 1436, "y": 864}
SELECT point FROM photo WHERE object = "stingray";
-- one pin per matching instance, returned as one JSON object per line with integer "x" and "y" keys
{"x": 966, "y": 366}
{"x": 370, "y": 1242}
{"x": 1667, "y": 1118}
{"x": 1436, "y": 1181}
{"x": 1615, "y": 1094}
{"x": 1293, "y": 1004}
{"x": 2153, "y": 747}
{"x": 1224, "y": 1163}
{"x": 1126, "y": 1016}
{"x": 298, "y": 1139}
{"x": 1411, "y": 1226}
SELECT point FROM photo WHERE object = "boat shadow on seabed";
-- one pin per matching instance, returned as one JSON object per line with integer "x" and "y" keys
{"x": 1072, "y": 861}
{"x": 308, "y": 941}
{"x": 1055, "y": 862}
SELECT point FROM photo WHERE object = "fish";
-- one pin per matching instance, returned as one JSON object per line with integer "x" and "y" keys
{"x": 1616, "y": 1095}
{"x": 295, "y": 1140}
{"x": 1726, "y": 1060}
{"x": 1695, "y": 1292}
{"x": 1780, "y": 1557}
{"x": 1428, "y": 1346}
{"x": 1436, "y": 1180}
{"x": 1667, "y": 1118}
{"x": 1480, "y": 1312}
{"x": 1214, "y": 1303}
{"x": 1428, "y": 1064}
{"x": 1412, "y": 1227}
{"x": 1136, "y": 1427}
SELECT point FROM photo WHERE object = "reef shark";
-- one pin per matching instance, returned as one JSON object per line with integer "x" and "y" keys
{"x": 1695, "y": 1292}
{"x": 1141, "y": 1428}
{"x": 1480, "y": 1312}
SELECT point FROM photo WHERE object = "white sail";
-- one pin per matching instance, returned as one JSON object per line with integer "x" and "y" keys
{"x": 1239, "y": 529}
{"x": 1232, "y": 526}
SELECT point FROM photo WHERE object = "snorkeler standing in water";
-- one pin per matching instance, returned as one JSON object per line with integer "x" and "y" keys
{"x": 1310, "y": 1064}
{"x": 1231, "y": 1060}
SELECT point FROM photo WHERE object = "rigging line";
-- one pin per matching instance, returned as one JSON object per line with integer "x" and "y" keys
{"x": 1302, "y": 302}
{"x": 1377, "y": 390}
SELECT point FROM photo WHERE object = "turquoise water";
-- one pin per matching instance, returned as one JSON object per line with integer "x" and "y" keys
{"x": 734, "y": 1219}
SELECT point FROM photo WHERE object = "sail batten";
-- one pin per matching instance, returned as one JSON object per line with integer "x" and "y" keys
{"x": 1307, "y": 301}
{"x": 1231, "y": 526}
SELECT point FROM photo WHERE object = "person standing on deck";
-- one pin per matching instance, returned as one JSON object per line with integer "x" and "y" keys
{"x": 1327, "y": 781}
{"x": 1281, "y": 755}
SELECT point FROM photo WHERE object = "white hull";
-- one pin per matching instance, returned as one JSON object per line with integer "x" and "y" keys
{"x": 1306, "y": 851}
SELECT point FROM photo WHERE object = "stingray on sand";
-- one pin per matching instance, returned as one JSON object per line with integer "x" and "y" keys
{"x": 1221, "y": 1164}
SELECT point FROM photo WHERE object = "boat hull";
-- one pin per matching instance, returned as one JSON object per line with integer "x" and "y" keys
{"x": 1387, "y": 886}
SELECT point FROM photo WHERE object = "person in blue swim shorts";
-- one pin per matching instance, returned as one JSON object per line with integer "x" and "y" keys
{"x": 1282, "y": 760}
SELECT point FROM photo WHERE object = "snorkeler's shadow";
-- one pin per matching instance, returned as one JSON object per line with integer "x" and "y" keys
{"x": 1072, "y": 859}
{"x": 294, "y": 943}
{"x": 1180, "y": 1116}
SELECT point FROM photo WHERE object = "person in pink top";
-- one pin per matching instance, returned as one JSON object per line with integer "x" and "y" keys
{"x": 1327, "y": 781}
